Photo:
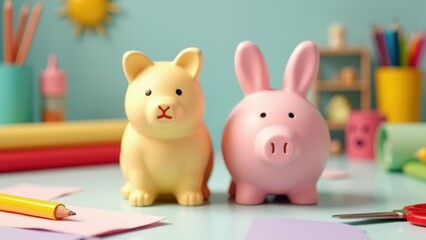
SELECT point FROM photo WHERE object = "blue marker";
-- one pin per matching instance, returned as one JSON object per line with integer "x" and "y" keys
{"x": 392, "y": 44}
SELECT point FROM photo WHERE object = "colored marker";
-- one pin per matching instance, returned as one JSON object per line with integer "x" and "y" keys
{"x": 381, "y": 46}
{"x": 412, "y": 48}
{"x": 393, "y": 47}
{"x": 418, "y": 53}
{"x": 403, "y": 55}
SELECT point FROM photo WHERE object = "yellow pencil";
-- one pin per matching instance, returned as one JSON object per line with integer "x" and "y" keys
{"x": 34, "y": 207}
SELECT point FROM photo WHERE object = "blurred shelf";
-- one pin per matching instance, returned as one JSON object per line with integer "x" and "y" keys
{"x": 329, "y": 85}
{"x": 335, "y": 126}
{"x": 356, "y": 50}
{"x": 332, "y": 85}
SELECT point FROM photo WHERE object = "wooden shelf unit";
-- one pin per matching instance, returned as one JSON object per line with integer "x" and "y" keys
{"x": 362, "y": 84}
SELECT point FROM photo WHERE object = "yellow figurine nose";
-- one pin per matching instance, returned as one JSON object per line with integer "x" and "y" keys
{"x": 165, "y": 112}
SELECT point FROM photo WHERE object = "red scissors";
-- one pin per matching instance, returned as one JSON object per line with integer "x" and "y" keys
{"x": 415, "y": 214}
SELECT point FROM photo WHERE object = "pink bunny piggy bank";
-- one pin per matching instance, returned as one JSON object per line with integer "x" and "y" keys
{"x": 275, "y": 141}
{"x": 166, "y": 148}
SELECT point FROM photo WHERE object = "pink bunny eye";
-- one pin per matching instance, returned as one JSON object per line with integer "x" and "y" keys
{"x": 291, "y": 115}
{"x": 263, "y": 115}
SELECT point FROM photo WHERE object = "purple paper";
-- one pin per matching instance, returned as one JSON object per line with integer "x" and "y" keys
{"x": 25, "y": 234}
{"x": 278, "y": 229}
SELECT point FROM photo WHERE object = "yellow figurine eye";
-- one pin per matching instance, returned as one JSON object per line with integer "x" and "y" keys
{"x": 89, "y": 14}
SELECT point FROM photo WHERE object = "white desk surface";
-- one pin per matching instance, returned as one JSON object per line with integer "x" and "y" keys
{"x": 367, "y": 189}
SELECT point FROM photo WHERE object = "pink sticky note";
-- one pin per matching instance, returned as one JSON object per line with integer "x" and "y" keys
{"x": 88, "y": 222}
{"x": 334, "y": 174}
{"x": 274, "y": 229}
{"x": 39, "y": 191}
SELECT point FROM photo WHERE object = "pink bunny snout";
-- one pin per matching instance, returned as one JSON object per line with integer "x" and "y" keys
{"x": 276, "y": 145}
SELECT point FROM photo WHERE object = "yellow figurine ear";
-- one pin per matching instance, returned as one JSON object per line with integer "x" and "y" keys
{"x": 134, "y": 63}
{"x": 191, "y": 59}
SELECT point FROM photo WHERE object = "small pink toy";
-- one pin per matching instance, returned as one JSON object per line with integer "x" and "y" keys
{"x": 53, "y": 88}
{"x": 360, "y": 133}
{"x": 166, "y": 147}
{"x": 275, "y": 141}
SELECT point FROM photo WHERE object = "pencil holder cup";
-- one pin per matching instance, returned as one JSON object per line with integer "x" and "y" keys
{"x": 15, "y": 94}
{"x": 360, "y": 132}
{"x": 399, "y": 93}
{"x": 396, "y": 144}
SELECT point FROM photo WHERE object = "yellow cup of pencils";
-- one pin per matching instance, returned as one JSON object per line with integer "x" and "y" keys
{"x": 15, "y": 94}
{"x": 399, "y": 93}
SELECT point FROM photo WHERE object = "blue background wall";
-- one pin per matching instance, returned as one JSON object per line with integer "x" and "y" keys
{"x": 162, "y": 28}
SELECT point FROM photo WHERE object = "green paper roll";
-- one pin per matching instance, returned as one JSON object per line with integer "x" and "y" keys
{"x": 396, "y": 143}
{"x": 416, "y": 169}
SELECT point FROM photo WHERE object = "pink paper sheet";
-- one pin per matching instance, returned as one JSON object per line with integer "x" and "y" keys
{"x": 27, "y": 234}
{"x": 88, "y": 221}
{"x": 39, "y": 191}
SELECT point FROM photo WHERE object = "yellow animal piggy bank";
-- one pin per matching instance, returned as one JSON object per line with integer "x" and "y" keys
{"x": 166, "y": 147}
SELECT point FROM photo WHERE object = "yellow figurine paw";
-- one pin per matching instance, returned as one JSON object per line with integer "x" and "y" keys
{"x": 140, "y": 198}
{"x": 190, "y": 198}
{"x": 125, "y": 190}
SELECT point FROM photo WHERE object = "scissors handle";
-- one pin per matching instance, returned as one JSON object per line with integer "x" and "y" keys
{"x": 416, "y": 214}
{"x": 416, "y": 207}
{"x": 417, "y": 218}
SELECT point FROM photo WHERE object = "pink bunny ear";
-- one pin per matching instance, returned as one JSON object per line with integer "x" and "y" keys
{"x": 302, "y": 68}
{"x": 251, "y": 69}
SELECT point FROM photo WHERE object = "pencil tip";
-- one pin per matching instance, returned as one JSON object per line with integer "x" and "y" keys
{"x": 71, "y": 213}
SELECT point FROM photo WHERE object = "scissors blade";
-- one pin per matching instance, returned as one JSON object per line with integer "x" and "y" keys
{"x": 395, "y": 214}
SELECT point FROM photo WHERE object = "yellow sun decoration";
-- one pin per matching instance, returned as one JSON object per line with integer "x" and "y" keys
{"x": 89, "y": 14}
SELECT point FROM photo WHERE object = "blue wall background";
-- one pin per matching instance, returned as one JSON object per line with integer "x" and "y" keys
{"x": 162, "y": 28}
